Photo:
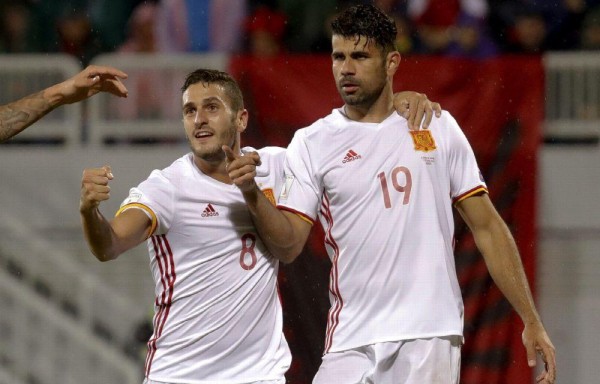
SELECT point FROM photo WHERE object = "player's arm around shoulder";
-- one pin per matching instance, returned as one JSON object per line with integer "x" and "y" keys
{"x": 499, "y": 250}
{"x": 108, "y": 239}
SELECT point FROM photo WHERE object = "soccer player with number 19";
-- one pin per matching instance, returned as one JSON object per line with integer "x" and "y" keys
{"x": 385, "y": 198}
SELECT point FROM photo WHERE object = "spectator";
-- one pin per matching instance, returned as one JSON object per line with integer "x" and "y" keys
{"x": 307, "y": 29}
{"x": 148, "y": 87}
{"x": 406, "y": 36}
{"x": 76, "y": 36}
{"x": 141, "y": 34}
{"x": 528, "y": 33}
{"x": 452, "y": 27}
{"x": 590, "y": 33}
{"x": 15, "y": 28}
{"x": 566, "y": 23}
{"x": 109, "y": 19}
{"x": 528, "y": 26}
{"x": 265, "y": 29}
{"x": 200, "y": 25}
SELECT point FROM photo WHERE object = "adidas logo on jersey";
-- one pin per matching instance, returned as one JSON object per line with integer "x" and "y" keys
{"x": 209, "y": 211}
{"x": 351, "y": 156}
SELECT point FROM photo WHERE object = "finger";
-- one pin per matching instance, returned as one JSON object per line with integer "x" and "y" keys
{"x": 115, "y": 87}
{"x": 246, "y": 178}
{"x": 241, "y": 170}
{"x": 420, "y": 113}
{"x": 98, "y": 196}
{"x": 97, "y": 180}
{"x": 549, "y": 356}
{"x": 100, "y": 189}
{"x": 95, "y": 176}
{"x": 108, "y": 172}
{"x": 402, "y": 107}
{"x": 254, "y": 156}
{"x": 98, "y": 70}
{"x": 231, "y": 156}
{"x": 438, "y": 109}
{"x": 531, "y": 355}
{"x": 428, "y": 111}
{"x": 412, "y": 112}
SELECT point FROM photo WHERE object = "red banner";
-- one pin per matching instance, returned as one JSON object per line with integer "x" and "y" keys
{"x": 499, "y": 105}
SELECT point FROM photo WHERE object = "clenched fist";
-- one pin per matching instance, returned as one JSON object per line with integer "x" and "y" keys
{"x": 94, "y": 187}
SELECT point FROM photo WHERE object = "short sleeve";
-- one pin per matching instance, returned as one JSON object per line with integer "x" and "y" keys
{"x": 154, "y": 196}
{"x": 465, "y": 177}
{"x": 301, "y": 192}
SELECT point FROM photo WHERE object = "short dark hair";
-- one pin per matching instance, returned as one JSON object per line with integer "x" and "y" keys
{"x": 213, "y": 76}
{"x": 368, "y": 21}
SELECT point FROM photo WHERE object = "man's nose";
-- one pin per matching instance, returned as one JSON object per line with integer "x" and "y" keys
{"x": 200, "y": 117}
{"x": 348, "y": 67}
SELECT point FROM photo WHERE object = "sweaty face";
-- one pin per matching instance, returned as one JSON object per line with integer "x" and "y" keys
{"x": 209, "y": 121}
{"x": 359, "y": 70}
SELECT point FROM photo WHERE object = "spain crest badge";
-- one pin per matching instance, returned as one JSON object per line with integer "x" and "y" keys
{"x": 423, "y": 141}
{"x": 270, "y": 195}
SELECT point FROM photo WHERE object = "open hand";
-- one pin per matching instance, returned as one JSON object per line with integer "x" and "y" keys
{"x": 92, "y": 80}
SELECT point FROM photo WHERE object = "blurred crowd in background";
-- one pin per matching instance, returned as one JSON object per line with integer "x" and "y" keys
{"x": 463, "y": 28}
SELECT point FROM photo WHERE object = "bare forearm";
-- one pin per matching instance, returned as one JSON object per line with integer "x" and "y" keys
{"x": 98, "y": 234}
{"x": 18, "y": 115}
{"x": 505, "y": 267}
{"x": 274, "y": 227}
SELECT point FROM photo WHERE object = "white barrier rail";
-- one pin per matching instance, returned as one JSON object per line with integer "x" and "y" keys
{"x": 152, "y": 110}
{"x": 572, "y": 94}
{"x": 22, "y": 75}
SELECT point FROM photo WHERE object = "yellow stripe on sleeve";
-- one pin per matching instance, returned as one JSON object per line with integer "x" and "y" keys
{"x": 476, "y": 191}
{"x": 144, "y": 208}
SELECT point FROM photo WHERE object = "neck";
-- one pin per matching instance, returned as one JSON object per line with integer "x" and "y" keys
{"x": 376, "y": 112}
{"x": 215, "y": 169}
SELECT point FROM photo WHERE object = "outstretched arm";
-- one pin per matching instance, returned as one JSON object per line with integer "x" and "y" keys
{"x": 20, "y": 114}
{"x": 108, "y": 239}
{"x": 497, "y": 245}
{"x": 416, "y": 108}
{"x": 284, "y": 233}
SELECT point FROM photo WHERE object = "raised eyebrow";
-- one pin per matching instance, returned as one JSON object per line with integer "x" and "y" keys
{"x": 211, "y": 100}
{"x": 187, "y": 105}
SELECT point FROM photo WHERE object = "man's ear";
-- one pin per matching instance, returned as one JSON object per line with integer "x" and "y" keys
{"x": 242, "y": 120}
{"x": 393, "y": 62}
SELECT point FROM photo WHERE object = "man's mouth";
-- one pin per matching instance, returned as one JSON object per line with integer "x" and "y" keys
{"x": 349, "y": 87}
{"x": 202, "y": 134}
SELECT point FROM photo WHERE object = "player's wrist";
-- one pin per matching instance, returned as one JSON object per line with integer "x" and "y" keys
{"x": 55, "y": 95}
{"x": 251, "y": 190}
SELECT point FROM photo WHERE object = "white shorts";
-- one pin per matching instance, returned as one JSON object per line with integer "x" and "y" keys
{"x": 418, "y": 361}
{"x": 282, "y": 381}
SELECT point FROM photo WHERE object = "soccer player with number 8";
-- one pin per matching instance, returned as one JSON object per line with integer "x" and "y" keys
{"x": 217, "y": 312}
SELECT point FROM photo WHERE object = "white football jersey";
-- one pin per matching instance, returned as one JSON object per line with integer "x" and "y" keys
{"x": 384, "y": 196}
{"x": 218, "y": 317}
